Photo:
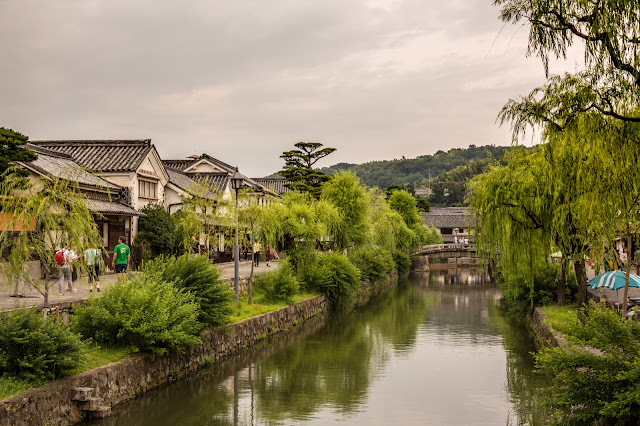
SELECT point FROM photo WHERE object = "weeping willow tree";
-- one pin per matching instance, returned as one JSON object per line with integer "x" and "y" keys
{"x": 607, "y": 175}
{"x": 46, "y": 214}
{"x": 299, "y": 221}
{"x": 511, "y": 205}
{"x": 214, "y": 212}
{"x": 609, "y": 81}
{"x": 352, "y": 202}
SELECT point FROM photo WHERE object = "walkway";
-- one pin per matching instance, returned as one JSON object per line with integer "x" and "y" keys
{"x": 33, "y": 298}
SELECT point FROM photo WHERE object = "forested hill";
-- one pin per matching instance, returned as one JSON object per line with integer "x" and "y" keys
{"x": 416, "y": 171}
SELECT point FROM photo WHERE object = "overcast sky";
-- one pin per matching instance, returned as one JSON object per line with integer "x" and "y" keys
{"x": 243, "y": 80}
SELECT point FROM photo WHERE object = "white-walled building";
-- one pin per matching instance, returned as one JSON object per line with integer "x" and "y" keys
{"x": 132, "y": 165}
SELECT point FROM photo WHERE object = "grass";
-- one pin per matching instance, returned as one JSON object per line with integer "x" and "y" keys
{"x": 561, "y": 318}
{"x": 95, "y": 356}
{"x": 10, "y": 385}
{"x": 261, "y": 306}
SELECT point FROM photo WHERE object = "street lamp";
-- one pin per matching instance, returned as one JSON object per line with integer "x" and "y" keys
{"x": 236, "y": 183}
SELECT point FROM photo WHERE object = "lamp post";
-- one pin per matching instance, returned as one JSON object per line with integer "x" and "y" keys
{"x": 236, "y": 183}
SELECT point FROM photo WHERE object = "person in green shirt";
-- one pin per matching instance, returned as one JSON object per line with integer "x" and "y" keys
{"x": 121, "y": 258}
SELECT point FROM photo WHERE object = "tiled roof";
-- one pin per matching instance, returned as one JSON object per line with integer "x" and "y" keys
{"x": 276, "y": 185}
{"x": 112, "y": 207}
{"x": 103, "y": 155}
{"x": 447, "y": 217}
{"x": 186, "y": 183}
{"x": 62, "y": 166}
{"x": 216, "y": 181}
{"x": 183, "y": 164}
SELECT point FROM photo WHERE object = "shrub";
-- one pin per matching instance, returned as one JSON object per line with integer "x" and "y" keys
{"x": 278, "y": 285}
{"x": 374, "y": 263}
{"x": 312, "y": 275}
{"x": 589, "y": 388}
{"x": 144, "y": 313}
{"x": 520, "y": 299}
{"x": 199, "y": 276}
{"x": 342, "y": 282}
{"x": 402, "y": 262}
{"x": 33, "y": 349}
{"x": 301, "y": 258}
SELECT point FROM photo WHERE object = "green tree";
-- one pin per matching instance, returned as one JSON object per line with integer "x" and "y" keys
{"x": 402, "y": 202}
{"x": 249, "y": 215}
{"x": 609, "y": 83}
{"x": 298, "y": 168}
{"x": 606, "y": 176}
{"x": 352, "y": 202}
{"x": 11, "y": 149}
{"x": 188, "y": 225}
{"x": 46, "y": 215}
{"x": 156, "y": 231}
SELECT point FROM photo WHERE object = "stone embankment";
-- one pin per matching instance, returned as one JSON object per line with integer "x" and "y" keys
{"x": 543, "y": 335}
{"x": 546, "y": 337}
{"x": 57, "y": 403}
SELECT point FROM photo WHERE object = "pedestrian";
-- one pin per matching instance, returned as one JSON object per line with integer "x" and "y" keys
{"x": 92, "y": 258}
{"x": 195, "y": 246}
{"x": 73, "y": 258}
{"x": 268, "y": 255}
{"x": 121, "y": 258}
{"x": 623, "y": 259}
{"x": 256, "y": 253}
{"x": 64, "y": 267}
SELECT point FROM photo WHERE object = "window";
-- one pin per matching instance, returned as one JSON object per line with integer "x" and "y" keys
{"x": 147, "y": 189}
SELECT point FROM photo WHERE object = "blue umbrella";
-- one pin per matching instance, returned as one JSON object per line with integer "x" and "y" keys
{"x": 613, "y": 280}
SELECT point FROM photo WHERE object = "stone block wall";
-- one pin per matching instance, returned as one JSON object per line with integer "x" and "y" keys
{"x": 126, "y": 379}
{"x": 117, "y": 382}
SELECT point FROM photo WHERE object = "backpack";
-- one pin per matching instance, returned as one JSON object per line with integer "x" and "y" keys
{"x": 60, "y": 257}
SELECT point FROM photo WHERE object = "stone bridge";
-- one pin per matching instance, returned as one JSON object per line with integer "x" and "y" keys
{"x": 446, "y": 248}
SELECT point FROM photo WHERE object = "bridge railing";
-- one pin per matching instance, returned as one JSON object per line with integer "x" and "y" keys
{"x": 445, "y": 247}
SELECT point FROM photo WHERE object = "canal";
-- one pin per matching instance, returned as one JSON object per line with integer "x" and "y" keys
{"x": 433, "y": 351}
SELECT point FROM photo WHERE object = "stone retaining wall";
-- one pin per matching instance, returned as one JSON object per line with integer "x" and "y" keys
{"x": 117, "y": 382}
{"x": 543, "y": 335}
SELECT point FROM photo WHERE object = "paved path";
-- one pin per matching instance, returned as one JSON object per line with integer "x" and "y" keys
{"x": 33, "y": 298}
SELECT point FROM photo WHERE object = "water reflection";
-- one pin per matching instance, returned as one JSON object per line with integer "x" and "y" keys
{"x": 434, "y": 350}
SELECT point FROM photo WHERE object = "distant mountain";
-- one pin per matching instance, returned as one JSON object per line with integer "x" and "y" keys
{"x": 416, "y": 171}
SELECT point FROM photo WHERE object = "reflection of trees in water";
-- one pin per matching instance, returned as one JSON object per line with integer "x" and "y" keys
{"x": 335, "y": 367}
{"x": 523, "y": 385}
{"x": 290, "y": 379}
{"x": 212, "y": 406}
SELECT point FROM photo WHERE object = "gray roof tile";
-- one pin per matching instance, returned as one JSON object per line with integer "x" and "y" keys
{"x": 112, "y": 207}
{"x": 62, "y": 166}
{"x": 102, "y": 155}
{"x": 447, "y": 217}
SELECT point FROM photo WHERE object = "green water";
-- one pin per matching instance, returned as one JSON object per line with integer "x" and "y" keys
{"x": 433, "y": 351}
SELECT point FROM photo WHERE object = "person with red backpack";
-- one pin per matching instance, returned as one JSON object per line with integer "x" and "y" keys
{"x": 62, "y": 260}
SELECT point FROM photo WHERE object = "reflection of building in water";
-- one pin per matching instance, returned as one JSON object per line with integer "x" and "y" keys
{"x": 467, "y": 276}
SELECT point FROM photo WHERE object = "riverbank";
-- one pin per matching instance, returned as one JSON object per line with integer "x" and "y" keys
{"x": 69, "y": 299}
{"x": 58, "y": 402}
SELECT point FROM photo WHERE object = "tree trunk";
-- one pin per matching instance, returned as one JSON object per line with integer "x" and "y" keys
{"x": 250, "y": 283}
{"x": 581, "y": 278}
{"x": 562, "y": 282}
{"x": 46, "y": 294}
{"x": 627, "y": 268}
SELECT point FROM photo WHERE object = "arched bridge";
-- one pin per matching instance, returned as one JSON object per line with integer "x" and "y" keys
{"x": 446, "y": 248}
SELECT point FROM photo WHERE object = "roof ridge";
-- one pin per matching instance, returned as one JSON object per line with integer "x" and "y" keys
{"x": 45, "y": 151}
{"x": 93, "y": 142}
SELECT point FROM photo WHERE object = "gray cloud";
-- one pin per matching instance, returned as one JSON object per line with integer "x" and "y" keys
{"x": 244, "y": 80}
